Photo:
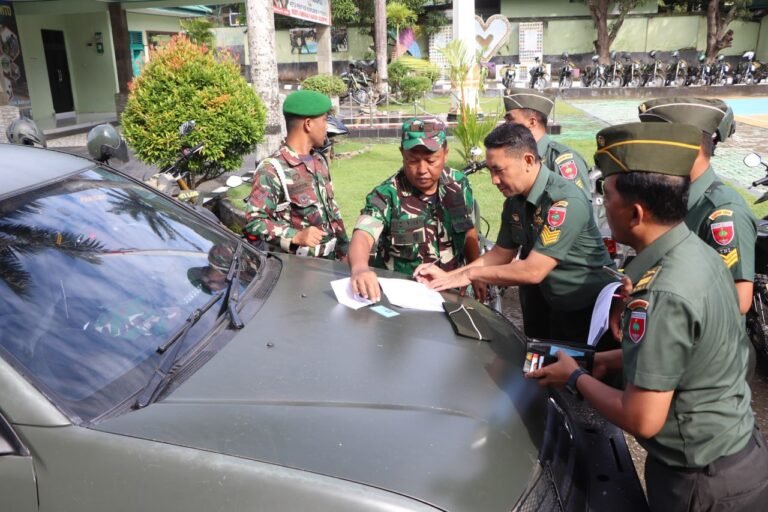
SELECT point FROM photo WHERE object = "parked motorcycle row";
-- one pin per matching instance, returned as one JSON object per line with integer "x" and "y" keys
{"x": 624, "y": 71}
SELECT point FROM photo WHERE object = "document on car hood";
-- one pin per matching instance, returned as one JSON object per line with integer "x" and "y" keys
{"x": 342, "y": 288}
{"x": 412, "y": 295}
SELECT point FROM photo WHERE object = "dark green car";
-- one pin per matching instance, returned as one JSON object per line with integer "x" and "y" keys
{"x": 151, "y": 360}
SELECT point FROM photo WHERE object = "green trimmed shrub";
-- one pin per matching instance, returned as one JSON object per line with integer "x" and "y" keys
{"x": 414, "y": 87}
{"x": 183, "y": 82}
{"x": 410, "y": 66}
{"x": 329, "y": 85}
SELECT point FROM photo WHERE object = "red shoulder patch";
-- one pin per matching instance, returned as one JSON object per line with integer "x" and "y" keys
{"x": 556, "y": 216}
{"x": 723, "y": 232}
{"x": 638, "y": 321}
{"x": 568, "y": 170}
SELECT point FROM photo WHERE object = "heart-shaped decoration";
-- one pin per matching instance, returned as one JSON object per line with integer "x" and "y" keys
{"x": 491, "y": 35}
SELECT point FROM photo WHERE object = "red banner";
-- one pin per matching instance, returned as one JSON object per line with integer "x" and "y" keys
{"x": 317, "y": 11}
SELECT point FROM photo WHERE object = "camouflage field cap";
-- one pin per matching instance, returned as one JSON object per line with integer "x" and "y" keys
{"x": 429, "y": 133}
{"x": 664, "y": 148}
{"x": 307, "y": 103}
{"x": 709, "y": 115}
{"x": 528, "y": 98}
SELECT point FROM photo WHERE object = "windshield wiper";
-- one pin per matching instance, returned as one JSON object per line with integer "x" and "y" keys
{"x": 157, "y": 382}
{"x": 232, "y": 294}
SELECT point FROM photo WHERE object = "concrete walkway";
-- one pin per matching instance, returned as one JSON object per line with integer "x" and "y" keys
{"x": 728, "y": 161}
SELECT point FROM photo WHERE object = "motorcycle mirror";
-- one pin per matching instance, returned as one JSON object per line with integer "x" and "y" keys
{"x": 762, "y": 198}
{"x": 186, "y": 127}
{"x": 752, "y": 160}
{"x": 234, "y": 181}
{"x": 720, "y": 58}
{"x": 475, "y": 153}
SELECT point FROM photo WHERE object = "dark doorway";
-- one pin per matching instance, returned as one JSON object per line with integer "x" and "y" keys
{"x": 58, "y": 71}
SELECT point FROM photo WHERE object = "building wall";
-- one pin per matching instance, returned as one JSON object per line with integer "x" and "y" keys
{"x": 140, "y": 22}
{"x": 559, "y": 8}
{"x": 761, "y": 50}
{"x": 92, "y": 74}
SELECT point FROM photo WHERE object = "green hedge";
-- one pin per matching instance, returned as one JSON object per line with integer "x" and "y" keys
{"x": 413, "y": 87}
{"x": 183, "y": 82}
{"x": 410, "y": 67}
{"x": 329, "y": 85}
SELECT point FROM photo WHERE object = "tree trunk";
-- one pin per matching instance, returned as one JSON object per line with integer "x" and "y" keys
{"x": 380, "y": 44}
{"x": 718, "y": 35}
{"x": 605, "y": 36}
{"x": 260, "y": 18}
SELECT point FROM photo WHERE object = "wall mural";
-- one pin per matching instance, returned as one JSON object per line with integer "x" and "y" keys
{"x": 13, "y": 80}
{"x": 303, "y": 40}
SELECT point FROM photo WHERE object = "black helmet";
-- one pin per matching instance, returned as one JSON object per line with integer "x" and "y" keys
{"x": 104, "y": 143}
{"x": 335, "y": 127}
{"x": 25, "y": 132}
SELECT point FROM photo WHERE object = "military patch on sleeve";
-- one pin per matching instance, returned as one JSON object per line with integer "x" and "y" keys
{"x": 638, "y": 322}
{"x": 721, "y": 213}
{"x": 567, "y": 166}
{"x": 730, "y": 258}
{"x": 549, "y": 235}
{"x": 638, "y": 304}
{"x": 645, "y": 282}
{"x": 579, "y": 183}
{"x": 556, "y": 214}
{"x": 723, "y": 232}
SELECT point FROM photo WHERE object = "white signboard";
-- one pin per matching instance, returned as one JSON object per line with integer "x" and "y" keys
{"x": 317, "y": 11}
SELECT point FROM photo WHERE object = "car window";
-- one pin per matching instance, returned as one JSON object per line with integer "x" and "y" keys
{"x": 96, "y": 272}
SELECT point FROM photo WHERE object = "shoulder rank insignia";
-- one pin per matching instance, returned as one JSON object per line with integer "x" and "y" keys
{"x": 579, "y": 183}
{"x": 645, "y": 282}
{"x": 721, "y": 213}
{"x": 723, "y": 232}
{"x": 638, "y": 322}
{"x": 731, "y": 258}
{"x": 556, "y": 214}
{"x": 549, "y": 235}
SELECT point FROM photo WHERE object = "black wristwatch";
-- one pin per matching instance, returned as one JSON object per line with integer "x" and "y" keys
{"x": 571, "y": 384}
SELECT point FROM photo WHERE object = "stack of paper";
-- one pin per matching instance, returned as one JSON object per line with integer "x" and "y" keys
{"x": 400, "y": 292}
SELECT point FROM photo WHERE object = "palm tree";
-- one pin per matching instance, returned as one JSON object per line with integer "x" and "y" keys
{"x": 129, "y": 202}
{"x": 260, "y": 17}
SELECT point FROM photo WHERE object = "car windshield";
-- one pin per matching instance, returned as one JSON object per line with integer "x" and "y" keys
{"x": 96, "y": 272}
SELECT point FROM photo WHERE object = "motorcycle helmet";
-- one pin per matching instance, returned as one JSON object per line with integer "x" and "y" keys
{"x": 104, "y": 143}
{"x": 595, "y": 58}
{"x": 676, "y": 53}
{"x": 335, "y": 128}
{"x": 652, "y": 54}
{"x": 613, "y": 55}
{"x": 565, "y": 55}
{"x": 25, "y": 132}
{"x": 748, "y": 55}
{"x": 720, "y": 58}
{"x": 702, "y": 57}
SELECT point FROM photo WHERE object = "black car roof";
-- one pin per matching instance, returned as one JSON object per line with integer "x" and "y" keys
{"x": 22, "y": 167}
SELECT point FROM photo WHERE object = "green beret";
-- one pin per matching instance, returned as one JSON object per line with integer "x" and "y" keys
{"x": 704, "y": 113}
{"x": 429, "y": 133}
{"x": 306, "y": 103}
{"x": 664, "y": 148}
{"x": 529, "y": 98}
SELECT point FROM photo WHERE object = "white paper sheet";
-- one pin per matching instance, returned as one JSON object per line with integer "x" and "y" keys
{"x": 412, "y": 295}
{"x": 342, "y": 288}
{"x": 601, "y": 313}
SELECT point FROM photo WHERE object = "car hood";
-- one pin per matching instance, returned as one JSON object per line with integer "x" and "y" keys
{"x": 398, "y": 403}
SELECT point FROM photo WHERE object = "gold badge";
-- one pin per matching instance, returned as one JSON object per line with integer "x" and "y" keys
{"x": 721, "y": 213}
{"x": 645, "y": 282}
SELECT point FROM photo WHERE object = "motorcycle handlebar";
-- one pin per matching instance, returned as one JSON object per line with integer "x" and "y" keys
{"x": 761, "y": 181}
{"x": 474, "y": 167}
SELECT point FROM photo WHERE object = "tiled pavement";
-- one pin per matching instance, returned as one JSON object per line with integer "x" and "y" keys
{"x": 728, "y": 160}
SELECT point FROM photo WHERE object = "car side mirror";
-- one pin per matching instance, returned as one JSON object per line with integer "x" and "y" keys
{"x": 753, "y": 160}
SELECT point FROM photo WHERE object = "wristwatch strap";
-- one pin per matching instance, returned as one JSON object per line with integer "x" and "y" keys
{"x": 571, "y": 384}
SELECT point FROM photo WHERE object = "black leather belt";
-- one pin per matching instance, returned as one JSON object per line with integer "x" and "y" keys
{"x": 722, "y": 463}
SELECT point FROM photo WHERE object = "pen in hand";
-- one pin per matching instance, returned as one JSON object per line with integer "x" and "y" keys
{"x": 614, "y": 273}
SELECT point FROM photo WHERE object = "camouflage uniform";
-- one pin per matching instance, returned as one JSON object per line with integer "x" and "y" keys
{"x": 409, "y": 228}
{"x": 274, "y": 218}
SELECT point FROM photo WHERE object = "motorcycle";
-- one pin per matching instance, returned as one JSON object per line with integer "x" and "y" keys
{"x": 722, "y": 69}
{"x": 745, "y": 71}
{"x": 676, "y": 71}
{"x": 652, "y": 75}
{"x": 619, "y": 253}
{"x": 614, "y": 73}
{"x": 594, "y": 76}
{"x": 631, "y": 74}
{"x": 757, "y": 316}
{"x": 538, "y": 75}
{"x": 566, "y": 72}
{"x": 359, "y": 86}
{"x": 474, "y": 164}
{"x": 508, "y": 80}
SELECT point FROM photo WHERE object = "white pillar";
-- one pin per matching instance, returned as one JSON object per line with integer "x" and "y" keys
{"x": 324, "y": 50}
{"x": 464, "y": 30}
